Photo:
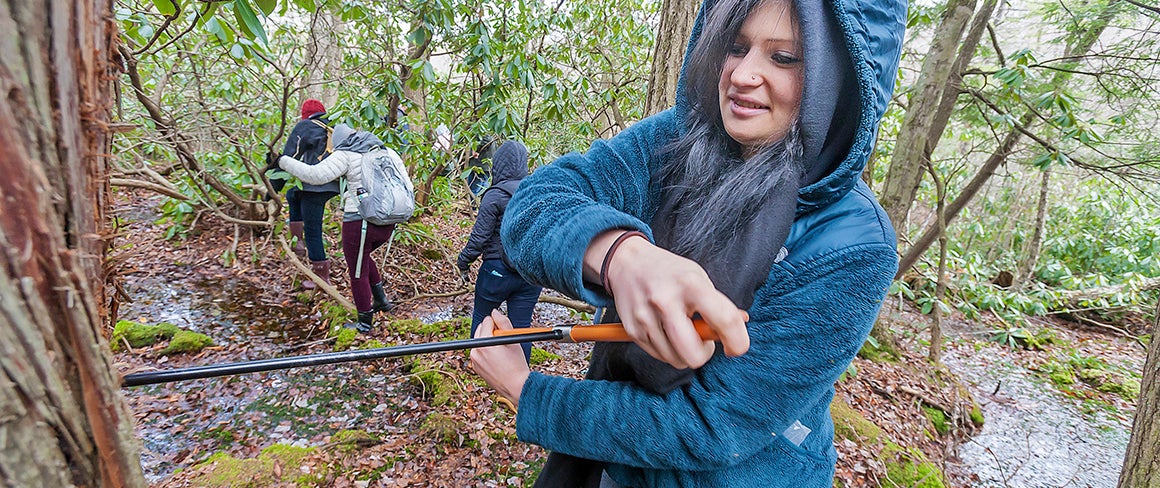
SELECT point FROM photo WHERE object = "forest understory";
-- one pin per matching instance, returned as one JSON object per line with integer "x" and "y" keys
{"x": 429, "y": 421}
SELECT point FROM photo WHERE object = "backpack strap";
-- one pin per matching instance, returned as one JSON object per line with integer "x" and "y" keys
{"x": 329, "y": 132}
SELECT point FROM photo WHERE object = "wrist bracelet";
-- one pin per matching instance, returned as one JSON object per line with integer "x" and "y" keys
{"x": 608, "y": 256}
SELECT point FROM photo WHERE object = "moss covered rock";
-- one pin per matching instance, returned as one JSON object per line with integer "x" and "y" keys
{"x": 187, "y": 341}
{"x": 278, "y": 463}
{"x": 849, "y": 424}
{"x": 909, "y": 468}
{"x": 139, "y": 335}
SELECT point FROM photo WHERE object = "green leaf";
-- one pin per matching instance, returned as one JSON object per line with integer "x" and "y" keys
{"x": 237, "y": 51}
{"x": 305, "y": 4}
{"x": 266, "y": 6}
{"x": 166, "y": 7}
{"x": 249, "y": 21}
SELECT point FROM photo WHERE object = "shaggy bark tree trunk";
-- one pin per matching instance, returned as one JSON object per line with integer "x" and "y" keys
{"x": 62, "y": 419}
{"x": 676, "y": 24}
{"x": 910, "y": 151}
{"x": 1142, "y": 460}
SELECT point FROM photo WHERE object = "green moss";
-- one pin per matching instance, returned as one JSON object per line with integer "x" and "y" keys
{"x": 909, "y": 468}
{"x": 187, "y": 341}
{"x": 455, "y": 328}
{"x": 1110, "y": 382}
{"x": 443, "y": 428}
{"x": 372, "y": 344}
{"x": 976, "y": 416}
{"x": 222, "y": 436}
{"x": 849, "y": 424}
{"x": 432, "y": 254}
{"x": 344, "y": 338}
{"x": 439, "y": 385}
{"x": 334, "y": 315}
{"x": 138, "y": 335}
{"x": 875, "y": 351}
{"x": 223, "y": 470}
{"x": 938, "y": 418}
{"x": 540, "y": 356}
{"x": 351, "y": 440}
{"x": 304, "y": 297}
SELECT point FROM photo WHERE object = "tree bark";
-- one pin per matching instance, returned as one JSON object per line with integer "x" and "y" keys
{"x": 910, "y": 154}
{"x": 323, "y": 57}
{"x": 940, "y": 293}
{"x": 676, "y": 24}
{"x": 62, "y": 419}
{"x": 1031, "y": 256}
{"x": 1142, "y": 460}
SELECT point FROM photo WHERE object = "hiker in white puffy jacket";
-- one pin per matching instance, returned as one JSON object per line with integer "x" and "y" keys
{"x": 349, "y": 146}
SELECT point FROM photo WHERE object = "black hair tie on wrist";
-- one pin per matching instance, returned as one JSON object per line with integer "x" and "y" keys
{"x": 608, "y": 256}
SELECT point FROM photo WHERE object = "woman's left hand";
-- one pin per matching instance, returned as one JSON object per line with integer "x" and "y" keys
{"x": 503, "y": 367}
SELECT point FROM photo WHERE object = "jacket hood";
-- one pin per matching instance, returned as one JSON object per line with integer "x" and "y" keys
{"x": 510, "y": 162}
{"x": 346, "y": 138}
{"x": 851, "y": 48}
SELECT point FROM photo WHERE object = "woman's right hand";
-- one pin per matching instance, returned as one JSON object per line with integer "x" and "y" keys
{"x": 656, "y": 292}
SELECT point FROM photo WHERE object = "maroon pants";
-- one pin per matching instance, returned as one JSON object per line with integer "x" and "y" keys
{"x": 376, "y": 236}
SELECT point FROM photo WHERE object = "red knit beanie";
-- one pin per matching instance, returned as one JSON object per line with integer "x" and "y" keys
{"x": 311, "y": 107}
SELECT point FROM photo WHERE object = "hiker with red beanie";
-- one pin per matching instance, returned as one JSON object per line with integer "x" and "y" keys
{"x": 308, "y": 143}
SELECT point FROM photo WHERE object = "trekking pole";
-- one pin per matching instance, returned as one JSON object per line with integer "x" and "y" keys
{"x": 561, "y": 333}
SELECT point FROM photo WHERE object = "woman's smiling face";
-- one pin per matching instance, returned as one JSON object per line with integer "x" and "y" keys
{"x": 761, "y": 82}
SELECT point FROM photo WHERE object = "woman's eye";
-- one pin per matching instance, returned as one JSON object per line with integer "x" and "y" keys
{"x": 737, "y": 50}
{"x": 785, "y": 58}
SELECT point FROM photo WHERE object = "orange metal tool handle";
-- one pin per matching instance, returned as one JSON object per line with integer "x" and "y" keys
{"x": 605, "y": 332}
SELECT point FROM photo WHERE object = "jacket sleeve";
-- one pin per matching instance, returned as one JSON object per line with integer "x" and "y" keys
{"x": 560, "y": 207}
{"x": 330, "y": 168}
{"x": 805, "y": 329}
{"x": 490, "y": 209}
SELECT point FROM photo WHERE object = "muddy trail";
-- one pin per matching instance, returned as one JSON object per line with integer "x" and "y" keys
{"x": 429, "y": 421}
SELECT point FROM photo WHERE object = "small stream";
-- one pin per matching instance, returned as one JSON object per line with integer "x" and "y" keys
{"x": 1034, "y": 436}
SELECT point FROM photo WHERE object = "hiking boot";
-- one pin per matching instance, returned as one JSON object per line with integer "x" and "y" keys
{"x": 298, "y": 232}
{"x": 365, "y": 322}
{"x": 381, "y": 303}
{"x": 320, "y": 268}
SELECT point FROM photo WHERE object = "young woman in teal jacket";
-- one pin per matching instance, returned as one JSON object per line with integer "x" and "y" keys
{"x": 742, "y": 204}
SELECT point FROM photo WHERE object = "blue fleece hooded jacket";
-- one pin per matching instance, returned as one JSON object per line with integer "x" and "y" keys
{"x": 726, "y": 428}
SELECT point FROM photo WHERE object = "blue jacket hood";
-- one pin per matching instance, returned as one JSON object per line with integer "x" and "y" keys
{"x": 852, "y": 48}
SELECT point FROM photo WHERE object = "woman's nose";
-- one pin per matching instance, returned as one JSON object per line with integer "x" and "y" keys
{"x": 745, "y": 73}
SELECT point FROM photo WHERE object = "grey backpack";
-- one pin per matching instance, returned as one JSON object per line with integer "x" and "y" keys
{"x": 387, "y": 195}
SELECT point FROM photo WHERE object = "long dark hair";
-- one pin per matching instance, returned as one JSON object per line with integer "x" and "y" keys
{"x": 715, "y": 192}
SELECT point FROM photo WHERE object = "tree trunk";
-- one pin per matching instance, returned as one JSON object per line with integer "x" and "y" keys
{"x": 950, "y": 95}
{"x": 1031, "y": 256}
{"x": 62, "y": 419}
{"x": 1082, "y": 45}
{"x": 1142, "y": 460}
{"x": 323, "y": 57}
{"x": 909, "y": 160}
{"x": 940, "y": 291}
{"x": 676, "y": 24}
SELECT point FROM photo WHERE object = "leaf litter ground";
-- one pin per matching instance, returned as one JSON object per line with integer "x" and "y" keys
{"x": 417, "y": 436}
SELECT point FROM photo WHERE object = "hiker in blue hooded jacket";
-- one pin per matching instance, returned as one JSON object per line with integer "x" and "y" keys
{"x": 497, "y": 283}
{"x": 742, "y": 204}
{"x": 359, "y": 238}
